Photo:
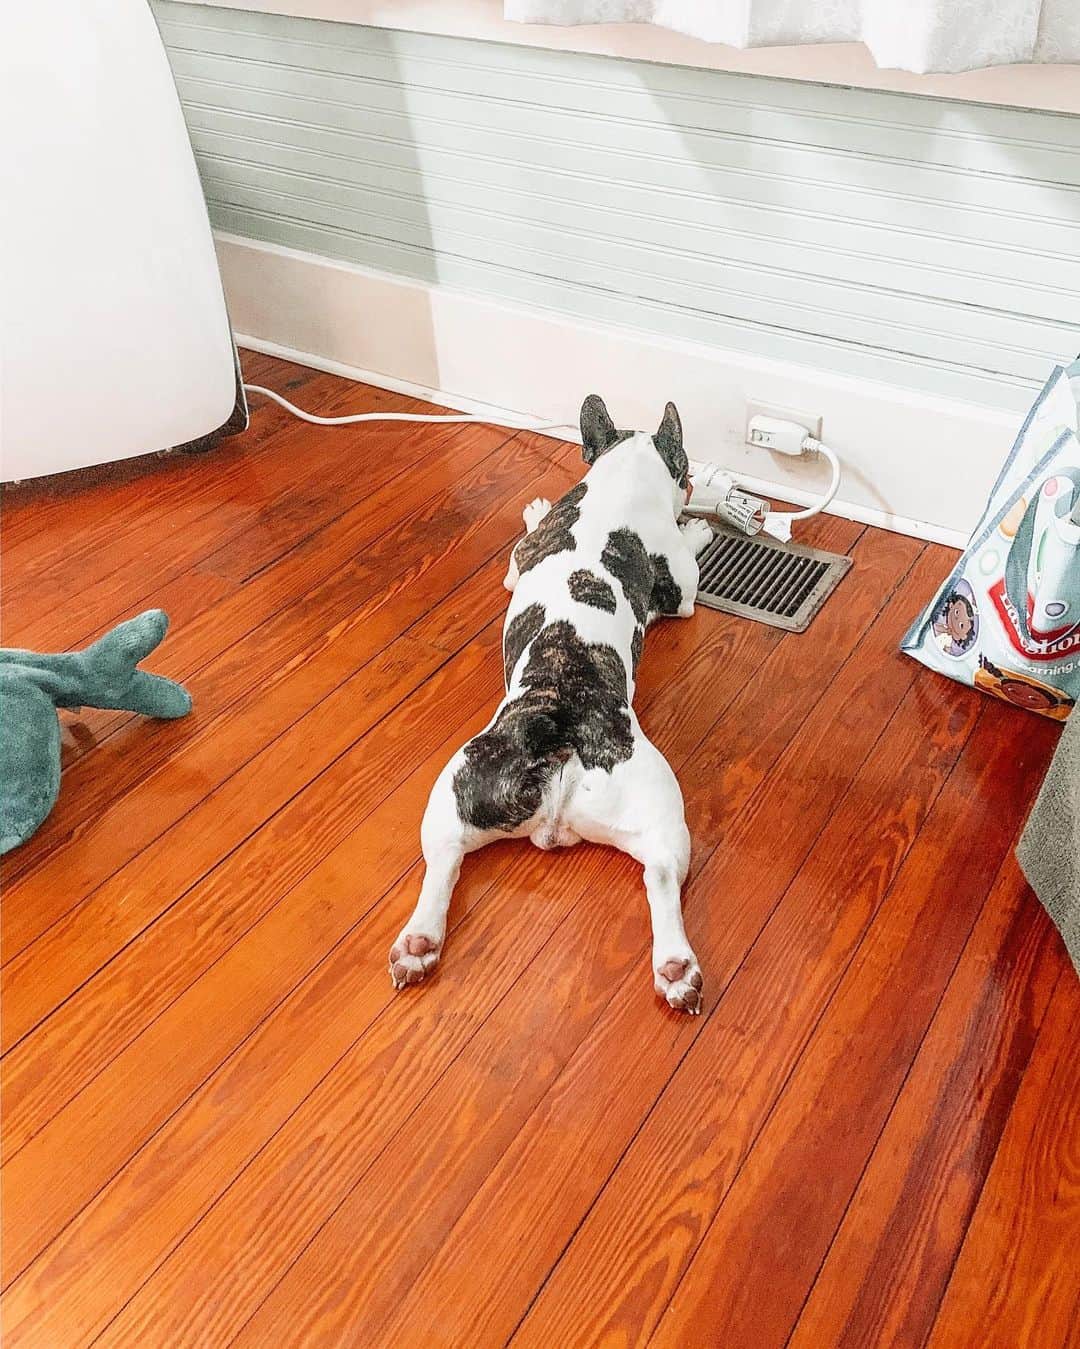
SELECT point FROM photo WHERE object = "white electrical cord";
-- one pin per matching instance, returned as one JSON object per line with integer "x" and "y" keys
{"x": 778, "y": 523}
{"x": 746, "y": 512}
{"x": 812, "y": 446}
{"x": 717, "y": 493}
{"x": 474, "y": 418}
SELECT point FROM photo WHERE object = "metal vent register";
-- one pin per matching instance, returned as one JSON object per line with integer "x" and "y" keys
{"x": 782, "y": 584}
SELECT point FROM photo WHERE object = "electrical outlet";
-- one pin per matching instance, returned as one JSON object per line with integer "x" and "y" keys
{"x": 812, "y": 423}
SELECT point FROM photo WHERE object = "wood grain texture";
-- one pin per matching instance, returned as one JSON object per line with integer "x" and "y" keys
{"x": 1016, "y": 1278}
{"x": 802, "y": 882}
{"x": 325, "y": 578}
{"x": 888, "y": 1265}
{"x": 300, "y": 708}
{"x": 578, "y": 1135}
{"x": 68, "y": 1160}
{"x": 774, "y": 1224}
{"x": 220, "y": 1124}
{"x": 238, "y": 1285}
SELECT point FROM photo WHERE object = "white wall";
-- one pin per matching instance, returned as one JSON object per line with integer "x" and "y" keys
{"x": 831, "y": 240}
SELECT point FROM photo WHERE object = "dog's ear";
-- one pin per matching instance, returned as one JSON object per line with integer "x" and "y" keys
{"x": 597, "y": 429}
{"x": 669, "y": 443}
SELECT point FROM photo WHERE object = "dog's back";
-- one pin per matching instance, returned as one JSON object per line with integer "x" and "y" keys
{"x": 564, "y": 757}
{"x": 586, "y": 587}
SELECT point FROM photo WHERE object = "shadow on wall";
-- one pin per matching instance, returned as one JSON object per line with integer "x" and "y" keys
{"x": 304, "y": 139}
{"x": 870, "y": 225}
{"x": 924, "y": 245}
{"x": 888, "y": 236}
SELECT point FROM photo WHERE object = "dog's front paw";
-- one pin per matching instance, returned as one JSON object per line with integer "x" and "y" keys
{"x": 697, "y": 534}
{"x": 413, "y": 956}
{"x": 534, "y": 512}
{"x": 679, "y": 981}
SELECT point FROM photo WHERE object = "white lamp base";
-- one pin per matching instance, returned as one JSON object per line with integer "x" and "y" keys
{"x": 115, "y": 339}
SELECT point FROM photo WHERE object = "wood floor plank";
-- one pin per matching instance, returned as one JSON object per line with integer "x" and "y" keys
{"x": 223, "y": 784}
{"x": 221, "y": 1125}
{"x": 46, "y": 1070}
{"x": 673, "y": 641}
{"x": 244, "y": 502}
{"x": 753, "y": 866}
{"x": 778, "y": 1214}
{"x": 202, "y": 629}
{"x": 755, "y": 638}
{"x": 413, "y": 455}
{"x": 94, "y": 510}
{"x": 375, "y": 1087}
{"x": 39, "y": 878}
{"x": 567, "y": 1148}
{"x": 242, "y": 1225}
{"x": 1016, "y": 1277}
{"x": 456, "y": 588}
{"x": 131, "y": 566}
{"x": 64, "y": 506}
{"x": 431, "y": 1131}
{"x": 171, "y": 1039}
{"x": 78, "y": 1149}
{"x": 576, "y": 1137}
{"x": 889, "y": 1264}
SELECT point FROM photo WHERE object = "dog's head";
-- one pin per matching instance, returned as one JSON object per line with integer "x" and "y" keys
{"x": 599, "y": 435}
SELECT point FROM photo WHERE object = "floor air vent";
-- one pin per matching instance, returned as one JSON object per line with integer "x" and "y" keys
{"x": 782, "y": 584}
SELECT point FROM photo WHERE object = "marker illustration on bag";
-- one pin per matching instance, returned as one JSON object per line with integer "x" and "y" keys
{"x": 1007, "y": 619}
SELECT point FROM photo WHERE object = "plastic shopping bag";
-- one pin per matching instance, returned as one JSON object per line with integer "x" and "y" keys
{"x": 1007, "y": 620}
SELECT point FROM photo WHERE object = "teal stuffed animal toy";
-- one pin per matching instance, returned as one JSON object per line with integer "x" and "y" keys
{"x": 33, "y": 686}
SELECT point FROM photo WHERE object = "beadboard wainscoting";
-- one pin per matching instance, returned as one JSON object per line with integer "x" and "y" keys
{"x": 515, "y": 226}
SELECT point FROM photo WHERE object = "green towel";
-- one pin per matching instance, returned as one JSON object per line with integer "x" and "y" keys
{"x": 1049, "y": 850}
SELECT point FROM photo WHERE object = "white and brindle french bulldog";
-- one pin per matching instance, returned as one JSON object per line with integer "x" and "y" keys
{"x": 564, "y": 758}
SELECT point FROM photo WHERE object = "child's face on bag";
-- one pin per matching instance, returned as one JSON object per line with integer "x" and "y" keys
{"x": 958, "y": 620}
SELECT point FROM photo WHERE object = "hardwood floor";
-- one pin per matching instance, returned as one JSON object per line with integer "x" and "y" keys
{"x": 221, "y": 1126}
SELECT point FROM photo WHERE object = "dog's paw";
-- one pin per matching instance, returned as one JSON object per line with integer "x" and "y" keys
{"x": 412, "y": 957}
{"x": 697, "y": 534}
{"x": 534, "y": 512}
{"x": 679, "y": 981}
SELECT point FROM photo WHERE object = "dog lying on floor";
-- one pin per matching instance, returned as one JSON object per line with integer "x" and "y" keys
{"x": 564, "y": 758}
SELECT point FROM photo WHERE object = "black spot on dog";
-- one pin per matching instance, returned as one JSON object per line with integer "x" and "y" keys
{"x": 637, "y": 644}
{"x": 588, "y": 588}
{"x": 552, "y": 535}
{"x": 520, "y": 631}
{"x": 666, "y": 595}
{"x": 574, "y": 700}
{"x": 501, "y": 783}
{"x": 646, "y": 578}
{"x": 625, "y": 557}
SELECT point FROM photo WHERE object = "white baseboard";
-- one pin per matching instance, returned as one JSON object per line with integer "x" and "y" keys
{"x": 912, "y": 463}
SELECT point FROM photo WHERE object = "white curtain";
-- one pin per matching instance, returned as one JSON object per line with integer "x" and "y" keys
{"x": 917, "y": 35}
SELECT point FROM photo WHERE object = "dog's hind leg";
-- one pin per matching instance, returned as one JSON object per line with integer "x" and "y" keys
{"x": 638, "y": 808}
{"x": 445, "y": 840}
{"x": 676, "y": 974}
